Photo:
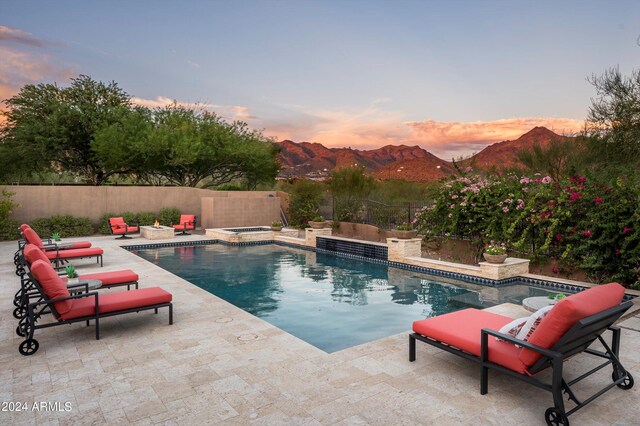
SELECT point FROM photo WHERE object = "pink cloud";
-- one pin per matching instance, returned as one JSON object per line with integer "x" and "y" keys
{"x": 373, "y": 127}
{"x": 230, "y": 112}
{"x": 18, "y": 36}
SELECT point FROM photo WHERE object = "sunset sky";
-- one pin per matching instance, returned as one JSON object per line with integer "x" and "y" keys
{"x": 450, "y": 76}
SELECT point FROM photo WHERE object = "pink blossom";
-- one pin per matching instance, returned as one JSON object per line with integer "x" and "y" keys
{"x": 546, "y": 179}
{"x": 525, "y": 180}
{"x": 463, "y": 204}
{"x": 520, "y": 205}
{"x": 508, "y": 201}
{"x": 618, "y": 251}
{"x": 575, "y": 196}
{"x": 505, "y": 209}
{"x": 558, "y": 237}
{"x": 587, "y": 234}
{"x": 555, "y": 270}
{"x": 626, "y": 230}
{"x": 453, "y": 197}
{"x": 598, "y": 200}
{"x": 469, "y": 168}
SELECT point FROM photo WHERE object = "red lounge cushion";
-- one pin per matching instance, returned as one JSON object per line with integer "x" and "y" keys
{"x": 32, "y": 253}
{"x": 113, "y": 277}
{"x": 73, "y": 254}
{"x": 52, "y": 285}
{"x": 132, "y": 229}
{"x": 24, "y": 226}
{"x": 79, "y": 245}
{"x": 32, "y": 238}
{"x": 462, "y": 330}
{"x": 118, "y": 302}
{"x": 568, "y": 312}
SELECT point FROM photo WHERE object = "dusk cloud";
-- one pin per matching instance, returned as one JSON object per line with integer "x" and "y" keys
{"x": 15, "y": 35}
{"x": 373, "y": 127}
{"x": 230, "y": 112}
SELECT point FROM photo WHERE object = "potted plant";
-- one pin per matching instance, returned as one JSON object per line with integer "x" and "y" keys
{"x": 317, "y": 222}
{"x": 276, "y": 226}
{"x": 55, "y": 237}
{"x": 404, "y": 232}
{"x": 495, "y": 252}
{"x": 71, "y": 274}
{"x": 553, "y": 298}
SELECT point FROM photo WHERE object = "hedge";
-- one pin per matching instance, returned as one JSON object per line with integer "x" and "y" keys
{"x": 64, "y": 225}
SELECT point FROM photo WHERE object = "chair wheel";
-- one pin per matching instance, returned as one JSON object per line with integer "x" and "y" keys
{"x": 29, "y": 347}
{"x": 19, "y": 312}
{"x": 19, "y": 331}
{"x": 627, "y": 383}
{"x": 555, "y": 417}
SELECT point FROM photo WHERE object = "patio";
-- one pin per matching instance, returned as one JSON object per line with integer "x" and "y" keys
{"x": 219, "y": 364}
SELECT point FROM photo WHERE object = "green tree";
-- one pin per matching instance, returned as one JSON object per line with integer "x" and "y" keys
{"x": 614, "y": 119}
{"x": 186, "y": 147}
{"x": 305, "y": 198}
{"x": 350, "y": 186}
{"x": 560, "y": 159}
{"x": 55, "y": 127}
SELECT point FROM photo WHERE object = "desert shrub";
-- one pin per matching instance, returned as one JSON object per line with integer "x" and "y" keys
{"x": 305, "y": 198}
{"x": 64, "y": 225}
{"x": 591, "y": 223}
{"x": 8, "y": 227}
{"x": 169, "y": 216}
{"x": 146, "y": 218}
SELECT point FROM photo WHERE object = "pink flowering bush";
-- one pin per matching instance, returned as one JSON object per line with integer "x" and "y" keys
{"x": 584, "y": 223}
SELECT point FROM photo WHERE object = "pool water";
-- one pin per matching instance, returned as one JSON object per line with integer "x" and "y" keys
{"x": 328, "y": 301}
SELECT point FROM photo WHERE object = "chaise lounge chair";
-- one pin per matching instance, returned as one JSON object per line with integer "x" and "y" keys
{"x": 117, "y": 226}
{"x": 187, "y": 223}
{"x": 27, "y": 289}
{"x": 48, "y": 243}
{"x": 58, "y": 256}
{"x": 569, "y": 328}
{"x": 82, "y": 306}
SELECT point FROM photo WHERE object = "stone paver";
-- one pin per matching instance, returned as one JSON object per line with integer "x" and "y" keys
{"x": 201, "y": 371}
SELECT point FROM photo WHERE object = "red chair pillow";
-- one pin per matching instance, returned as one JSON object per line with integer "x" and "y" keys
{"x": 32, "y": 253}
{"x": 568, "y": 312}
{"x": 32, "y": 238}
{"x": 52, "y": 285}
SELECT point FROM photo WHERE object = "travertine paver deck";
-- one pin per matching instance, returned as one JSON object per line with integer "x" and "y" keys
{"x": 207, "y": 368}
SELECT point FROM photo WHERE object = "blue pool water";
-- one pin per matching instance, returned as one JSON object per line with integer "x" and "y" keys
{"x": 330, "y": 302}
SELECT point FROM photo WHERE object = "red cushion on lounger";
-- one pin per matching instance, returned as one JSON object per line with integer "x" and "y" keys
{"x": 568, "y": 312}
{"x": 118, "y": 302}
{"x": 79, "y": 245}
{"x": 462, "y": 330}
{"x": 32, "y": 253}
{"x": 113, "y": 277}
{"x": 52, "y": 285}
{"x": 73, "y": 254}
{"x": 32, "y": 238}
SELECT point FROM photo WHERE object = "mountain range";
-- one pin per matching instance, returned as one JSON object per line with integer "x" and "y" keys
{"x": 400, "y": 161}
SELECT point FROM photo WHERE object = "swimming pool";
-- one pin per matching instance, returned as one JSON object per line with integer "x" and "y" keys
{"x": 328, "y": 301}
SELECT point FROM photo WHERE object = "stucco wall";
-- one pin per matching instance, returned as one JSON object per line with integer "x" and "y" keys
{"x": 93, "y": 202}
{"x": 234, "y": 211}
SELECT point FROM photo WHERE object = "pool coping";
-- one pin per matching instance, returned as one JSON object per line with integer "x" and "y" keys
{"x": 531, "y": 280}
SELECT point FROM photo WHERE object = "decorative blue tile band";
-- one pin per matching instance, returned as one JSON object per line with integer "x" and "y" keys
{"x": 356, "y": 248}
{"x": 548, "y": 285}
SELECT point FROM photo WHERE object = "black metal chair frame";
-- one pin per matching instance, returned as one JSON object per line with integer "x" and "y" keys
{"x": 28, "y": 291}
{"x": 126, "y": 230}
{"x": 575, "y": 341}
{"x": 36, "y": 309}
{"x": 184, "y": 231}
